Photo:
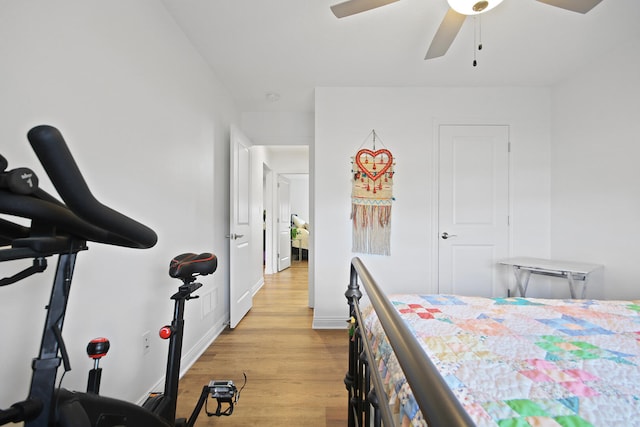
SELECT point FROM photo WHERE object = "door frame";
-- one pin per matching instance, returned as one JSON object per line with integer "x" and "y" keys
{"x": 435, "y": 180}
{"x": 268, "y": 206}
{"x": 283, "y": 221}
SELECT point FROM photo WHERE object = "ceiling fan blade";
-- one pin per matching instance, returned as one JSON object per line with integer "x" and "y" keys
{"x": 580, "y": 6}
{"x": 351, "y": 7}
{"x": 446, "y": 34}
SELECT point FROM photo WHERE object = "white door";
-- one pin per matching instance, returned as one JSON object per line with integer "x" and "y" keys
{"x": 284, "y": 223}
{"x": 473, "y": 216}
{"x": 241, "y": 298}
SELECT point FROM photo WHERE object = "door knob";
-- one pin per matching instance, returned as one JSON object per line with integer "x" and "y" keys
{"x": 446, "y": 235}
{"x": 234, "y": 236}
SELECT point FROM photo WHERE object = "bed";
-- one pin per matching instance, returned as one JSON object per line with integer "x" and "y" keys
{"x": 450, "y": 360}
{"x": 299, "y": 235}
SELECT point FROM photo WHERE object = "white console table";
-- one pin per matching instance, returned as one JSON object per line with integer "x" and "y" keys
{"x": 523, "y": 267}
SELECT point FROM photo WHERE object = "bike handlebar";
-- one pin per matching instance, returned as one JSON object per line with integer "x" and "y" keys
{"x": 83, "y": 216}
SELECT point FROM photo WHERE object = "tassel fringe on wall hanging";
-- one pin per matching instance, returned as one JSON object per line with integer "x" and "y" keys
{"x": 371, "y": 198}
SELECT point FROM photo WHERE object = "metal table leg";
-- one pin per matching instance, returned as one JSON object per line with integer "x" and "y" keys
{"x": 522, "y": 279}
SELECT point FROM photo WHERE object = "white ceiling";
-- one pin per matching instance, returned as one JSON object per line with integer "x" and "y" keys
{"x": 292, "y": 46}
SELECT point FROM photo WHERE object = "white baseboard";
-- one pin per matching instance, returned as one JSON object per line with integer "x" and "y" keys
{"x": 257, "y": 286}
{"x": 200, "y": 347}
{"x": 192, "y": 355}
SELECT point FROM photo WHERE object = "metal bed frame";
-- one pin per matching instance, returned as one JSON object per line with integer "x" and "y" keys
{"x": 367, "y": 397}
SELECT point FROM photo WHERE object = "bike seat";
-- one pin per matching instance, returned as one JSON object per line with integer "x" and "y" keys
{"x": 187, "y": 265}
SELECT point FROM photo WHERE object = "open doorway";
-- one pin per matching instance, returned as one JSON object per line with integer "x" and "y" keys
{"x": 299, "y": 221}
{"x": 292, "y": 164}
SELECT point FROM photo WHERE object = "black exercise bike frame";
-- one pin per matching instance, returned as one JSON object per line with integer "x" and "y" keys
{"x": 63, "y": 230}
{"x": 45, "y": 366}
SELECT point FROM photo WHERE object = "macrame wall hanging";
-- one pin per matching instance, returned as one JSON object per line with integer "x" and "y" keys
{"x": 371, "y": 198}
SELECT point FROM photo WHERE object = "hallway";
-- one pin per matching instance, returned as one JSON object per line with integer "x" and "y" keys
{"x": 294, "y": 373}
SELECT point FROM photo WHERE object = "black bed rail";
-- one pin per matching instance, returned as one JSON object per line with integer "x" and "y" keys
{"x": 364, "y": 397}
{"x": 438, "y": 404}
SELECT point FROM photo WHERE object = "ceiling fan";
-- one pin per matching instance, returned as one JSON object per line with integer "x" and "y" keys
{"x": 455, "y": 17}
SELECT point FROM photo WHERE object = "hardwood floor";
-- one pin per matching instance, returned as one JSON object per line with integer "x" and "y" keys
{"x": 294, "y": 373}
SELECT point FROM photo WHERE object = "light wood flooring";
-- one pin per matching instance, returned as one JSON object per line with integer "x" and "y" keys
{"x": 295, "y": 375}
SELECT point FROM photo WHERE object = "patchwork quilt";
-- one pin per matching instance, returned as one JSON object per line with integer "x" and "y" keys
{"x": 522, "y": 361}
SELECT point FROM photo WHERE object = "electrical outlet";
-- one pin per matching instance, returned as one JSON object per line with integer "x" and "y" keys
{"x": 146, "y": 342}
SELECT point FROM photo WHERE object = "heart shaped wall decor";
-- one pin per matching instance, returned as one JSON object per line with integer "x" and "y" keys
{"x": 381, "y": 162}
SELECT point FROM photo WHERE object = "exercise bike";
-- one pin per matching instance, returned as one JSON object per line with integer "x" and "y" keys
{"x": 63, "y": 230}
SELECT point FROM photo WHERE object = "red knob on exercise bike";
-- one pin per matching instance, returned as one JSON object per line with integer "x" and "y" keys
{"x": 166, "y": 332}
{"x": 98, "y": 348}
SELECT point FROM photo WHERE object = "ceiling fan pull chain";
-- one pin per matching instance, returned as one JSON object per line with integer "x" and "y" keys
{"x": 475, "y": 25}
{"x": 477, "y": 36}
{"x": 480, "y": 31}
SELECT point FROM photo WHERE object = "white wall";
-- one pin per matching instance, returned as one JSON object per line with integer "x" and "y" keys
{"x": 595, "y": 197}
{"x": 299, "y": 195}
{"x": 279, "y": 128}
{"x": 287, "y": 159}
{"x": 406, "y": 121}
{"x": 146, "y": 120}
{"x": 293, "y": 164}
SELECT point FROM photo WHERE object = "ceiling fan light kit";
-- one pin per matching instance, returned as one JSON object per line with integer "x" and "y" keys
{"x": 455, "y": 17}
{"x": 472, "y": 7}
